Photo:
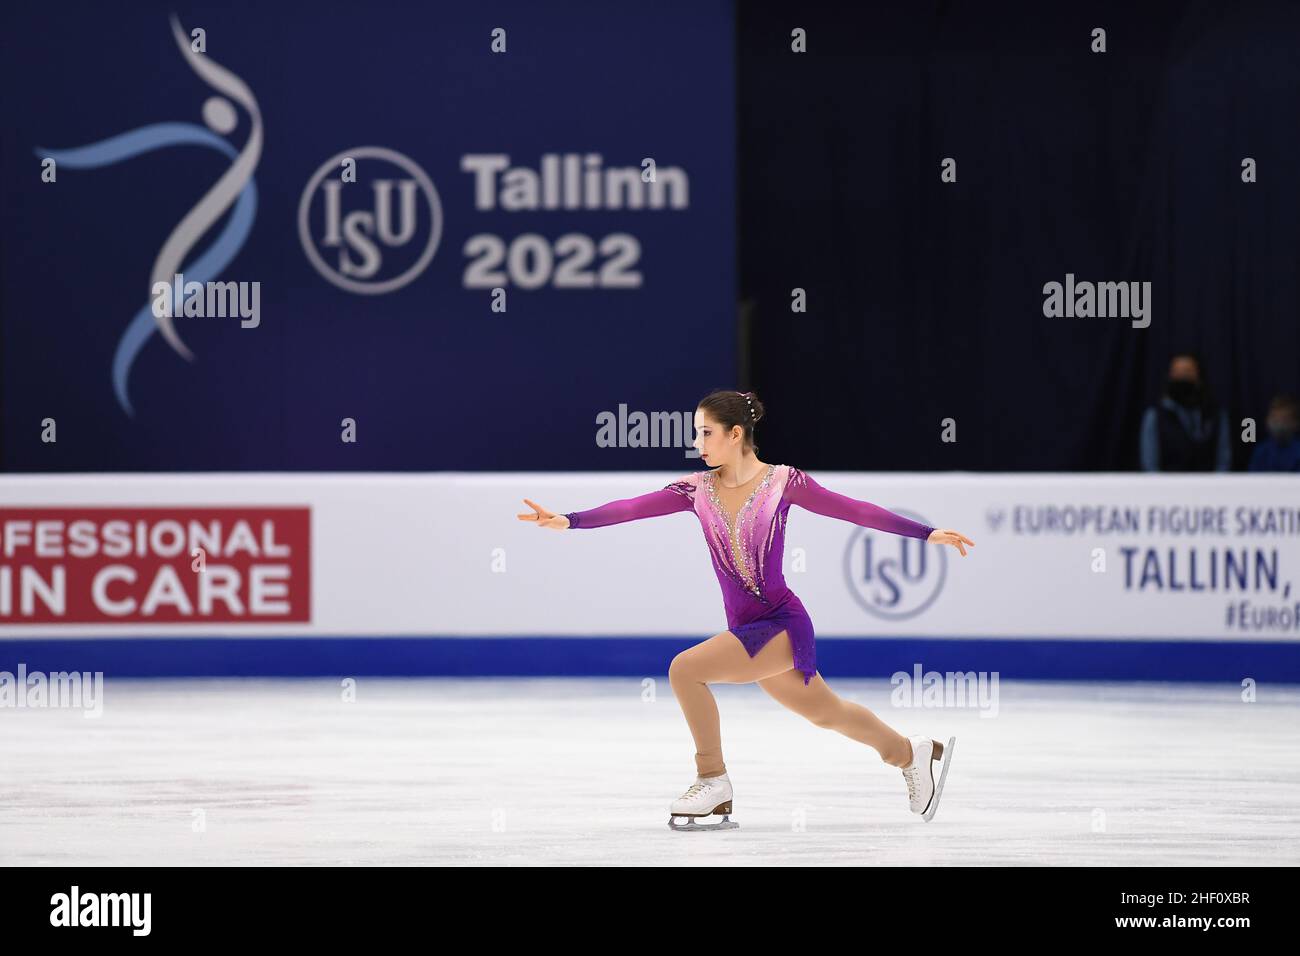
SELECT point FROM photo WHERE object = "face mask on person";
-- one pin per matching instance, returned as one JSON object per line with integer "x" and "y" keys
{"x": 1183, "y": 391}
{"x": 1281, "y": 432}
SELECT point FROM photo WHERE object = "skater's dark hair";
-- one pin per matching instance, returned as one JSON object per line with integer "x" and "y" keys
{"x": 730, "y": 408}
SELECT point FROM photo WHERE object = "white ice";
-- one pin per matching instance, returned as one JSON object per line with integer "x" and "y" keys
{"x": 568, "y": 771}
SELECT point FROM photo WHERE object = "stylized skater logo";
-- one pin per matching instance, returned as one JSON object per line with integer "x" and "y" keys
{"x": 235, "y": 186}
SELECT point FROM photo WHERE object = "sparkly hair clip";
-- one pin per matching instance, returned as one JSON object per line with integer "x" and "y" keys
{"x": 748, "y": 396}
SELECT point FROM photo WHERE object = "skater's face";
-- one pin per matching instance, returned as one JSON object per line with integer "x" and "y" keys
{"x": 715, "y": 443}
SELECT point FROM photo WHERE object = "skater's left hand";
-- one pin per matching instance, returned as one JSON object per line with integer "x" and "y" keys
{"x": 948, "y": 536}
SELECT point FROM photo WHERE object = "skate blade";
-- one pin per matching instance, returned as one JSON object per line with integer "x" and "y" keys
{"x": 690, "y": 824}
{"x": 943, "y": 775}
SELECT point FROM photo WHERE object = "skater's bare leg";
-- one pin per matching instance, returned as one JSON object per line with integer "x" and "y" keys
{"x": 722, "y": 659}
{"x": 821, "y": 705}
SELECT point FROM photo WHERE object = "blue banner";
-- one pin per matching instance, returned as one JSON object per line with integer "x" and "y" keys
{"x": 387, "y": 236}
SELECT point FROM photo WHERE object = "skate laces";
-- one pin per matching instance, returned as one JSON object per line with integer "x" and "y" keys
{"x": 695, "y": 788}
{"x": 912, "y": 775}
{"x": 912, "y": 783}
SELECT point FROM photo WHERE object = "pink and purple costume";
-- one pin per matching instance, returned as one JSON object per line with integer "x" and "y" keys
{"x": 747, "y": 558}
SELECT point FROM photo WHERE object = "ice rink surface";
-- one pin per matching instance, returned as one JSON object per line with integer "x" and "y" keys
{"x": 579, "y": 771}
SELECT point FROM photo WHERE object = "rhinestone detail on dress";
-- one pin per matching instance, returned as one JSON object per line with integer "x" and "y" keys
{"x": 733, "y": 534}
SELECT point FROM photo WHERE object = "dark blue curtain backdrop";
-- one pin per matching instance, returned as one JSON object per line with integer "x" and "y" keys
{"x": 925, "y": 298}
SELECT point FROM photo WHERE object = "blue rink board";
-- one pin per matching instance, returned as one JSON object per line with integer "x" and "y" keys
{"x": 549, "y": 656}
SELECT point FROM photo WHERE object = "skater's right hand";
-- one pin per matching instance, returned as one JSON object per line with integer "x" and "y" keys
{"x": 544, "y": 518}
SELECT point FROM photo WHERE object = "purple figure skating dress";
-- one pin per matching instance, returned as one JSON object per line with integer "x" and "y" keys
{"x": 747, "y": 559}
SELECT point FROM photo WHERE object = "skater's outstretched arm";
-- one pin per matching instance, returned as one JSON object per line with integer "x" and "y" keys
{"x": 801, "y": 490}
{"x": 677, "y": 496}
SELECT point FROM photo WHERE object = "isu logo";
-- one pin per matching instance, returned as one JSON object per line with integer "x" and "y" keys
{"x": 892, "y": 576}
{"x": 369, "y": 232}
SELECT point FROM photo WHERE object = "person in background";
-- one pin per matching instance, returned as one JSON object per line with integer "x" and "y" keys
{"x": 1185, "y": 431}
{"x": 1280, "y": 451}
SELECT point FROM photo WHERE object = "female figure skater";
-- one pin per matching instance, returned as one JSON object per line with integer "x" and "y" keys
{"x": 742, "y": 504}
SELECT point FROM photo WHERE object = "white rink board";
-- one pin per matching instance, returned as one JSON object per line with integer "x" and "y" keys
{"x": 443, "y": 554}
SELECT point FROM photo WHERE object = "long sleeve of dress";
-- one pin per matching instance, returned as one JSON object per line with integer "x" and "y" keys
{"x": 677, "y": 496}
{"x": 801, "y": 490}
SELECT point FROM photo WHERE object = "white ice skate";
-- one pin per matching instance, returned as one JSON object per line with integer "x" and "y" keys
{"x": 922, "y": 792}
{"x": 707, "y": 796}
